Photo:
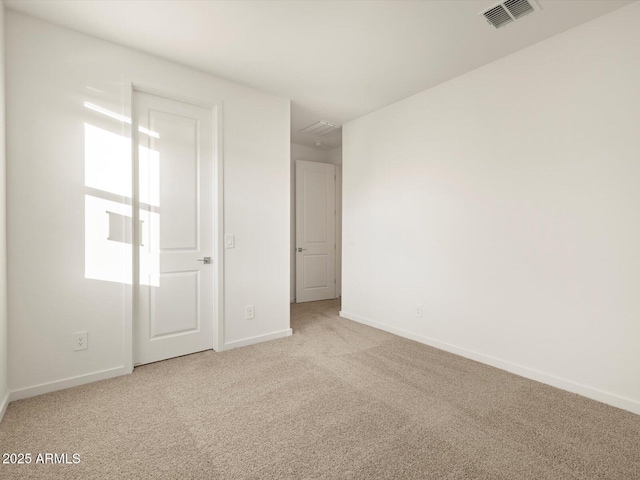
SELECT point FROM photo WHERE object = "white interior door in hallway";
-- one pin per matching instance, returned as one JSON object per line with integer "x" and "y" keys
{"x": 315, "y": 231}
{"x": 175, "y": 295}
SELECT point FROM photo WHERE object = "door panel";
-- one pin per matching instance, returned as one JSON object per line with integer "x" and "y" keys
{"x": 176, "y": 191}
{"x": 315, "y": 208}
{"x": 315, "y": 231}
{"x": 316, "y": 274}
{"x": 174, "y": 304}
{"x": 178, "y": 183}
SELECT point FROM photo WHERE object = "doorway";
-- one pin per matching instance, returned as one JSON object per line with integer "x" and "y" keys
{"x": 176, "y": 190}
{"x": 317, "y": 231}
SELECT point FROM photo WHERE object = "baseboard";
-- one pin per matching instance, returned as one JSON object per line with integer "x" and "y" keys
{"x": 4, "y": 403}
{"x": 259, "y": 339}
{"x": 530, "y": 373}
{"x": 66, "y": 383}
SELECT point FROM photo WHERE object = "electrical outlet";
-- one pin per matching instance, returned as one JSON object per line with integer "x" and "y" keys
{"x": 418, "y": 310}
{"x": 250, "y": 312}
{"x": 80, "y": 341}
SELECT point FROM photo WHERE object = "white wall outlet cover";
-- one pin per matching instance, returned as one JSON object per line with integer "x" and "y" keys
{"x": 80, "y": 341}
{"x": 250, "y": 312}
{"x": 418, "y": 310}
{"x": 229, "y": 240}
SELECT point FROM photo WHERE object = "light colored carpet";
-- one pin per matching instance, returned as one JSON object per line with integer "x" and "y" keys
{"x": 336, "y": 400}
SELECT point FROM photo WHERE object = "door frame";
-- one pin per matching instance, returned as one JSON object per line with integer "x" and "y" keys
{"x": 337, "y": 229}
{"x": 132, "y": 294}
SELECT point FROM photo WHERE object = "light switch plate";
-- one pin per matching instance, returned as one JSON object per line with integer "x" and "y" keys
{"x": 229, "y": 240}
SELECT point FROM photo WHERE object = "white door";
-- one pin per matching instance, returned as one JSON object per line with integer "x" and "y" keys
{"x": 315, "y": 231}
{"x": 176, "y": 196}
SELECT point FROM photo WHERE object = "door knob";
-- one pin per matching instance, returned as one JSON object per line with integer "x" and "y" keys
{"x": 301, "y": 249}
{"x": 205, "y": 260}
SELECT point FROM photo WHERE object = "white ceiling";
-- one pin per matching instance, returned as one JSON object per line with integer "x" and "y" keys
{"x": 336, "y": 60}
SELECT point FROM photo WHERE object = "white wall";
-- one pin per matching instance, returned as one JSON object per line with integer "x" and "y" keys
{"x": 3, "y": 242}
{"x": 335, "y": 155}
{"x": 506, "y": 203}
{"x": 51, "y": 73}
{"x": 308, "y": 154}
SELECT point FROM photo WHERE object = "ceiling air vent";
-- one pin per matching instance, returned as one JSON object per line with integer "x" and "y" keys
{"x": 498, "y": 16}
{"x": 508, "y": 11}
{"x": 321, "y": 129}
{"x": 518, "y": 8}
